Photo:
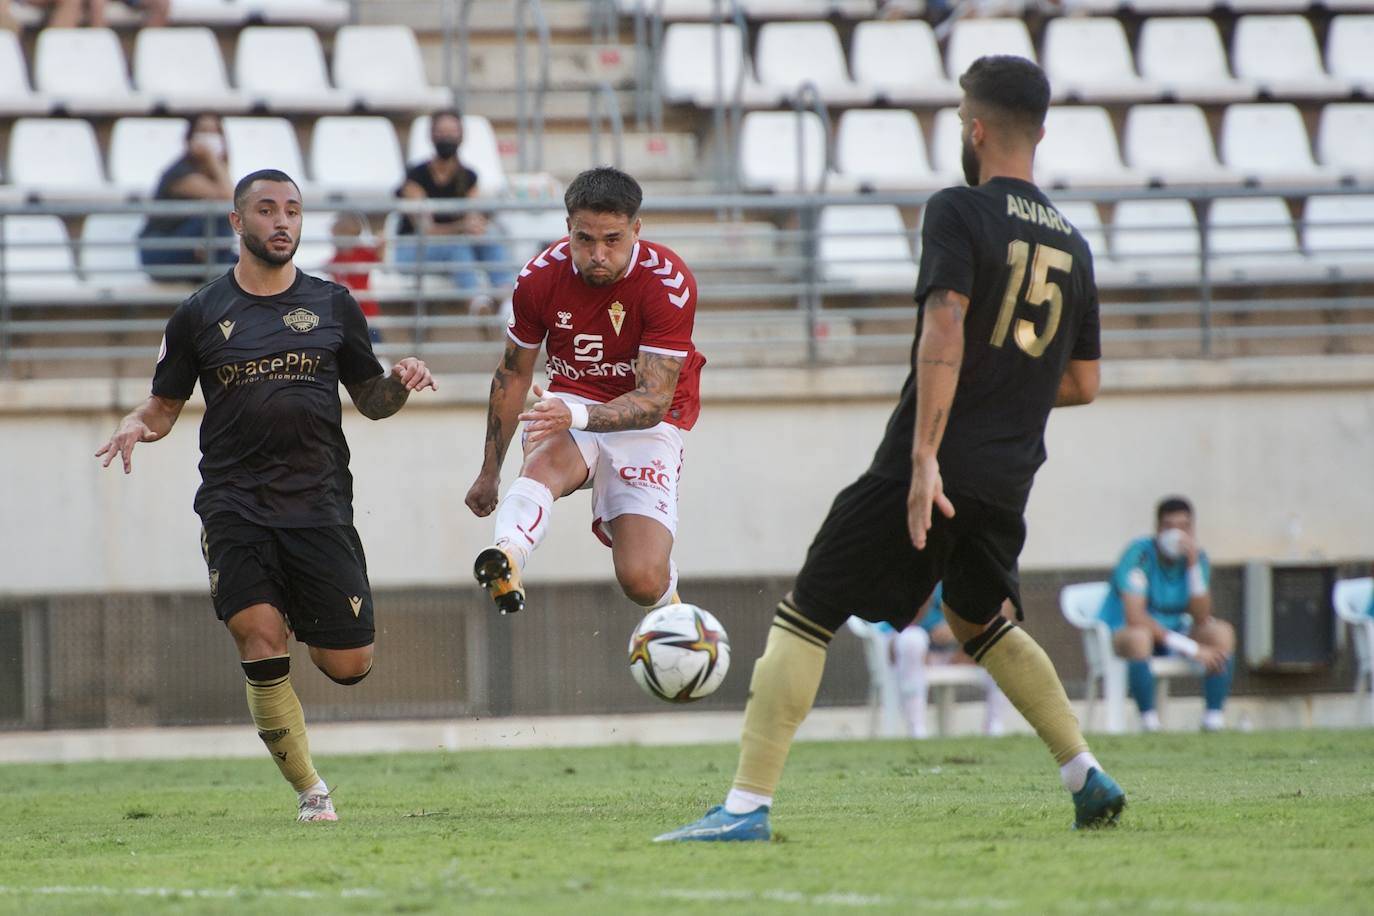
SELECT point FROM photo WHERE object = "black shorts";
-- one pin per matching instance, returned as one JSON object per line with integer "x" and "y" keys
{"x": 317, "y": 577}
{"x": 862, "y": 562}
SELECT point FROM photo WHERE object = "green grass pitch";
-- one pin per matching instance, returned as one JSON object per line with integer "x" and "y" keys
{"x": 1279, "y": 822}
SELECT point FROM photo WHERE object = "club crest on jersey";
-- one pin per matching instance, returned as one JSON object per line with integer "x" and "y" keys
{"x": 301, "y": 320}
{"x": 564, "y": 321}
{"x": 617, "y": 313}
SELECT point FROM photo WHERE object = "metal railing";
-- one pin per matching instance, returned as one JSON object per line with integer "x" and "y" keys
{"x": 529, "y": 103}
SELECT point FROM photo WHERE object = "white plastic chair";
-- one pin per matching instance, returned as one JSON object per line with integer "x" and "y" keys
{"x": 1253, "y": 238}
{"x": 867, "y": 245}
{"x": 689, "y": 70}
{"x": 141, "y": 149}
{"x": 1172, "y": 144}
{"x": 263, "y": 143}
{"x": 1079, "y": 150}
{"x": 479, "y": 151}
{"x": 883, "y": 149}
{"x": 1347, "y": 50}
{"x": 283, "y": 68}
{"x": 1157, "y": 240}
{"x": 1089, "y": 59}
{"x": 356, "y": 155}
{"x": 1340, "y": 233}
{"x": 884, "y": 694}
{"x": 769, "y": 157}
{"x": 16, "y": 95}
{"x": 109, "y": 250}
{"x": 902, "y": 62}
{"x": 945, "y": 146}
{"x": 1345, "y": 140}
{"x": 1352, "y": 598}
{"x": 84, "y": 71}
{"x": 792, "y": 53}
{"x": 38, "y": 257}
{"x": 381, "y": 64}
{"x": 1280, "y": 54}
{"x": 182, "y": 70}
{"x": 971, "y": 39}
{"x": 57, "y": 158}
{"x": 1185, "y": 58}
{"x": 1268, "y": 142}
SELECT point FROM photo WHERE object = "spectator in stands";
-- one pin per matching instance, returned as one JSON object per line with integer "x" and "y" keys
{"x": 202, "y": 173}
{"x": 351, "y": 266}
{"x": 928, "y": 640}
{"x": 452, "y": 238}
{"x": 1160, "y": 594}
{"x": 68, "y": 14}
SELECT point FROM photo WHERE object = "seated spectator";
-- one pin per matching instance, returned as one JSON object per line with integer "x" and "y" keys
{"x": 69, "y": 14}
{"x": 351, "y": 266}
{"x": 453, "y": 238}
{"x": 202, "y": 173}
{"x": 929, "y": 641}
{"x": 1160, "y": 603}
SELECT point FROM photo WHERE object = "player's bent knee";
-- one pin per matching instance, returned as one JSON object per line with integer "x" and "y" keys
{"x": 351, "y": 680}
{"x": 643, "y": 587}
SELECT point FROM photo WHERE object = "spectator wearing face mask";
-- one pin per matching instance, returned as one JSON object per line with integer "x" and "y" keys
{"x": 1160, "y": 603}
{"x": 187, "y": 247}
{"x": 463, "y": 244}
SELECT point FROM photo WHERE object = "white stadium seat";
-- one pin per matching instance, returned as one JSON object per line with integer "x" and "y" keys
{"x": 1173, "y": 7}
{"x": 884, "y": 150}
{"x": 1185, "y": 57}
{"x": 1088, "y": 59}
{"x": 181, "y": 70}
{"x": 1083, "y": 216}
{"x": 283, "y": 68}
{"x": 971, "y": 39}
{"x": 479, "y": 151}
{"x": 57, "y": 158}
{"x": 1279, "y": 53}
{"x": 1172, "y": 145}
{"x": 1351, "y": 599}
{"x": 16, "y": 95}
{"x": 1267, "y": 142}
{"x": 356, "y": 155}
{"x": 381, "y": 64}
{"x": 264, "y": 143}
{"x": 1345, "y": 141}
{"x": 1156, "y": 240}
{"x": 84, "y": 72}
{"x": 1253, "y": 239}
{"x": 868, "y": 246}
{"x": 769, "y": 155}
{"x": 1079, "y": 150}
{"x": 38, "y": 257}
{"x": 141, "y": 149}
{"x": 689, "y": 69}
{"x": 109, "y": 250}
{"x": 1340, "y": 233}
{"x": 792, "y": 53}
{"x": 945, "y": 145}
{"x": 1348, "y": 44}
{"x": 317, "y": 240}
{"x": 902, "y": 62}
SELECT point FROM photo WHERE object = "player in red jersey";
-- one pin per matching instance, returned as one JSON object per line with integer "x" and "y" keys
{"x": 615, "y": 313}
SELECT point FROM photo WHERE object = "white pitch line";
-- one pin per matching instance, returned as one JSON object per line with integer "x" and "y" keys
{"x": 212, "y": 893}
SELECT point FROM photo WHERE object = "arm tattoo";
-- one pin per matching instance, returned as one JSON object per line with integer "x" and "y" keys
{"x": 380, "y": 397}
{"x": 945, "y": 299}
{"x": 646, "y": 405}
{"x": 937, "y": 427}
{"x": 497, "y": 440}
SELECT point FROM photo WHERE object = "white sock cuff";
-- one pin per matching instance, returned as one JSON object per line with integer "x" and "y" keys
{"x": 742, "y": 802}
{"x": 667, "y": 596}
{"x": 531, "y": 489}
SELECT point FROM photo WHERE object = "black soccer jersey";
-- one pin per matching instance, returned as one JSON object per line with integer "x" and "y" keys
{"x": 272, "y": 447}
{"x": 1028, "y": 276}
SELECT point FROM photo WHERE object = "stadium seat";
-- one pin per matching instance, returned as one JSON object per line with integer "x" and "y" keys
{"x": 1348, "y": 43}
{"x": 884, "y": 150}
{"x": 181, "y": 70}
{"x": 868, "y": 246}
{"x": 16, "y": 95}
{"x": 356, "y": 155}
{"x": 1172, "y": 145}
{"x": 1279, "y": 54}
{"x": 1173, "y": 7}
{"x": 83, "y": 71}
{"x": 109, "y": 250}
{"x": 884, "y": 693}
{"x": 769, "y": 155}
{"x": 1339, "y": 234}
{"x": 306, "y": 12}
{"x": 38, "y": 258}
{"x": 1185, "y": 58}
{"x": 141, "y": 149}
{"x": 1081, "y": 605}
{"x": 317, "y": 240}
{"x": 479, "y": 151}
{"x": 283, "y": 69}
{"x": 808, "y": 9}
{"x": 57, "y": 159}
{"x": 1156, "y": 241}
{"x": 1088, "y": 59}
{"x": 689, "y": 72}
{"x": 1268, "y": 6}
{"x": 793, "y": 53}
{"x": 1083, "y": 216}
{"x": 381, "y": 64}
{"x": 1345, "y": 141}
{"x": 971, "y": 39}
{"x": 265, "y": 143}
{"x": 1267, "y": 142}
{"x": 1079, "y": 150}
{"x": 1351, "y": 598}
{"x": 901, "y": 61}
{"x": 1253, "y": 239}
{"x": 945, "y": 145}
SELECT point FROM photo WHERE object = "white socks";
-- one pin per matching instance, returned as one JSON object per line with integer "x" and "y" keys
{"x": 996, "y": 705}
{"x": 910, "y": 647}
{"x": 1075, "y": 773}
{"x": 742, "y": 802}
{"x": 1213, "y": 720}
{"x": 522, "y": 518}
{"x": 1149, "y": 720}
{"x": 667, "y": 597}
{"x": 318, "y": 788}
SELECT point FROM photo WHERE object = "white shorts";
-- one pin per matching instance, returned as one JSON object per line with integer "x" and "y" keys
{"x": 632, "y": 472}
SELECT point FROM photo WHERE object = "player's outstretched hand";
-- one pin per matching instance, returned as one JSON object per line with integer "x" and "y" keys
{"x": 546, "y": 417}
{"x": 414, "y": 374}
{"x": 481, "y": 498}
{"x": 927, "y": 491}
{"x": 130, "y": 432}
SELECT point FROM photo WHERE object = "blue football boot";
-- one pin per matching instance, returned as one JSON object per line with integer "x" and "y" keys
{"x": 1098, "y": 803}
{"x": 720, "y": 825}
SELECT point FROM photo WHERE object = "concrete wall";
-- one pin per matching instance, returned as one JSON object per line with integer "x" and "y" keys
{"x": 1278, "y": 455}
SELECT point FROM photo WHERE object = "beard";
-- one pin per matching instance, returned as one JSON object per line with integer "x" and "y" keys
{"x": 258, "y": 247}
{"x": 968, "y": 158}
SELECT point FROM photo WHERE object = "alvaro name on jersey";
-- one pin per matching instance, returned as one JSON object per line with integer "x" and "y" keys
{"x": 593, "y": 334}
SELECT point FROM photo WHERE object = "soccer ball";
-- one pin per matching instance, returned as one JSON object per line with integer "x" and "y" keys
{"x": 679, "y": 653}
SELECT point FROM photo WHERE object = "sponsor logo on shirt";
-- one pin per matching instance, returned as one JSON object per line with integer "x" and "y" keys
{"x": 588, "y": 348}
{"x": 559, "y": 366}
{"x": 564, "y": 321}
{"x": 646, "y": 477}
{"x": 300, "y": 320}
{"x": 226, "y": 327}
{"x": 285, "y": 367}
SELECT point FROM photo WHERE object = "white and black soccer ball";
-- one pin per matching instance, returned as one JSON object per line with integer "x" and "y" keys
{"x": 679, "y": 653}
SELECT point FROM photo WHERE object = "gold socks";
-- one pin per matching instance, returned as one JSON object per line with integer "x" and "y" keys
{"x": 281, "y": 723}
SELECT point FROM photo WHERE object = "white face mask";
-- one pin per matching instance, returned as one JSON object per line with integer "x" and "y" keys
{"x": 211, "y": 141}
{"x": 1170, "y": 542}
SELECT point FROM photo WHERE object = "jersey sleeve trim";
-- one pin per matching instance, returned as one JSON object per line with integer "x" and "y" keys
{"x": 662, "y": 351}
{"x": 519, "y": 342}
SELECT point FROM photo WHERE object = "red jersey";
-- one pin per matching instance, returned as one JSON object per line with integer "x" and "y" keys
{"x": 592, "y": 334}
{"x": 357, "y": 281}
